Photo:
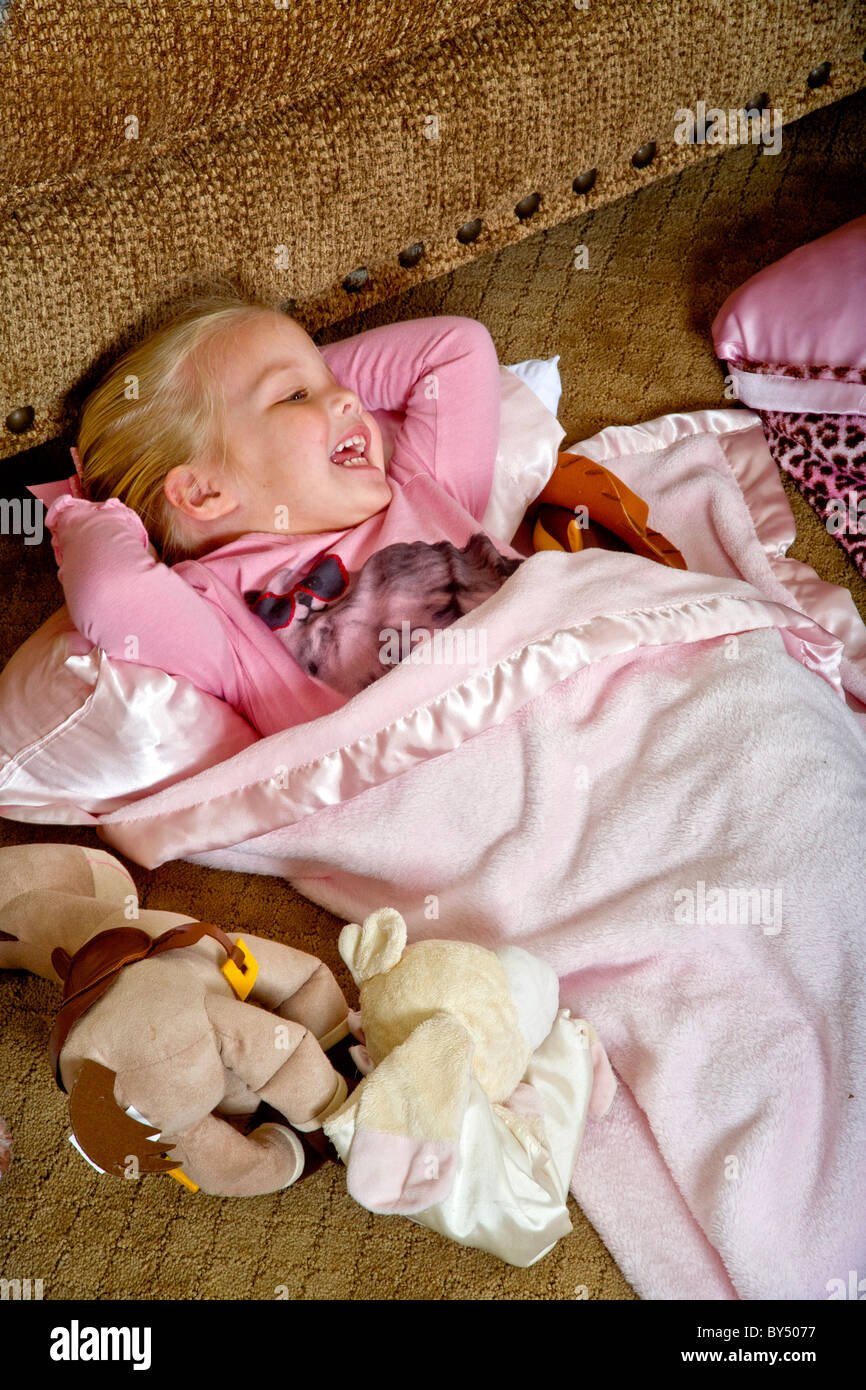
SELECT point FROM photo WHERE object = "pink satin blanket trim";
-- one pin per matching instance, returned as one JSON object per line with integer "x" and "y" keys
{"x": 417, "y": 713}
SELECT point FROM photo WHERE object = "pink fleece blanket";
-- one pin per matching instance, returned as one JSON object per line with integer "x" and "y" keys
{"x": 655, "y": 780}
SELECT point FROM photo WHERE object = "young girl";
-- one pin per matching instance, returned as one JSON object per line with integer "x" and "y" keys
{"x": 295, "y": 536}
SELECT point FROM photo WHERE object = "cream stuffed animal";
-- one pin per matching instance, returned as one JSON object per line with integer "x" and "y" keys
{"x": 474, "y": 1077}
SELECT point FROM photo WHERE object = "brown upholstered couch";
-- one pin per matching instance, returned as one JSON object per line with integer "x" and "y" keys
{"x": 330, "y": 155}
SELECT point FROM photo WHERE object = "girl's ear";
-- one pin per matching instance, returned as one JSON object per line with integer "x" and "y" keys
{"x": 197, "y": 493}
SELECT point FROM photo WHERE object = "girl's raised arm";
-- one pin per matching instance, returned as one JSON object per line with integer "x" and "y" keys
{"x": 443, "y": 373}
{"x": 122, "y": 598}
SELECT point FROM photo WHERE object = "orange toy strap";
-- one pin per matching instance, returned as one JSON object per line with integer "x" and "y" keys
{"x": 579, "y": 482}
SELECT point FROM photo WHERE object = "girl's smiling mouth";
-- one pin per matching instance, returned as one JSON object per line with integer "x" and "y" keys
{"x": 353, "y": 449}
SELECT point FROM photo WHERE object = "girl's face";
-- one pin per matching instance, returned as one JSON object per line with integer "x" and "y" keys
{"x": 286, "y": 415}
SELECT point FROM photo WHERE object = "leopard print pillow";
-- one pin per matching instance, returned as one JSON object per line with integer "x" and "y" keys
{"x": 826, "y": 457}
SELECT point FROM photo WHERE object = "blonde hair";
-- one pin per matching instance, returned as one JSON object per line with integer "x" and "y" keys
{"x": 162, "y": 404}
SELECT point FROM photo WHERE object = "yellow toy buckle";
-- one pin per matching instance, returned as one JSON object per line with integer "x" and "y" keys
{"x": 241, "y": 977}
{"x": 181, "y": 1177}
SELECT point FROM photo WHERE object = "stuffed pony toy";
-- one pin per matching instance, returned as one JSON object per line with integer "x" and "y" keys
{"x": 476, "y": 1089}
{"x": 172, "y": 1032}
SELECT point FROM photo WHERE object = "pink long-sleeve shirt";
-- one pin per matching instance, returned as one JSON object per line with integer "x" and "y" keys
{"x": 288, "y": 627}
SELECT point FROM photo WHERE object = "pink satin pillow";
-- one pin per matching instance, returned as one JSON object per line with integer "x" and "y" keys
{"x": 81, "y": 735}
{"x": 794, "y": 335}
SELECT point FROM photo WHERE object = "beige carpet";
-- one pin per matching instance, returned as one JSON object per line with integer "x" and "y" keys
{"x": 633, "y": 334}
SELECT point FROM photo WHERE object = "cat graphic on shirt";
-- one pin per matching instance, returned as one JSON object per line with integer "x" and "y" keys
{"x": 331, "y": 619}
